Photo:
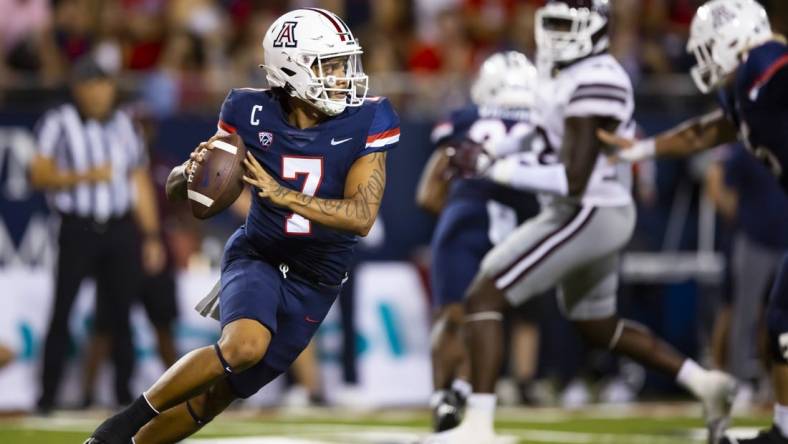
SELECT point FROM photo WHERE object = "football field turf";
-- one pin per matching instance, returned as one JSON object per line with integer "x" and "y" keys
{"x": 639, "y": 424}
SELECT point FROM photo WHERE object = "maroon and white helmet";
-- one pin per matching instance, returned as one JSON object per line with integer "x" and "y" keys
{"x": 567, "y": 30}
{"x": 312, "y": 54}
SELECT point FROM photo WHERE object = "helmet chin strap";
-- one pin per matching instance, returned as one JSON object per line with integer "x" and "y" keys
{"x": 327, "y": 107}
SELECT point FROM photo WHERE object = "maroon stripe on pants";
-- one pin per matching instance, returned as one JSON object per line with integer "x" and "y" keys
{"x": 551, "y": 250}
{"x": 536, "y": 245}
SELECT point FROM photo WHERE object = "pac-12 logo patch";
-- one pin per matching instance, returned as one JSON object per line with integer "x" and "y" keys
{"x": 266, "y": 138}
{"x": 286, "y": 36}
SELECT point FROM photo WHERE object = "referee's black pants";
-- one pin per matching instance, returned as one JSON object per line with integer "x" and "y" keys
{"x": 109, "y": 252}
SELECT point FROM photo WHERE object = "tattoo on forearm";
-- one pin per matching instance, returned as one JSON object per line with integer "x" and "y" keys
{"x": 360, "y": 206}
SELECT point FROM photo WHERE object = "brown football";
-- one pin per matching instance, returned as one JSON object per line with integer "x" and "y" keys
{"x": 217, "y": 181}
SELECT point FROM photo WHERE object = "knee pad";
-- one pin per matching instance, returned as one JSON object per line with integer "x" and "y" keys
{"x": 228, "y": 370}
{"x": 777, "y": 325}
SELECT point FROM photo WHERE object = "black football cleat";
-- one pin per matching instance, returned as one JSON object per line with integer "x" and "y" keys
{"x": 771, "y": 436}
{"x": 447, "y": 412}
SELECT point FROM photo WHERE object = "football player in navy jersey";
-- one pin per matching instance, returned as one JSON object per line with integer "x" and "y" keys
{"x": 316, "y": 161}
{"x": 474, "y": 213}
{"x": 738, "y": 56}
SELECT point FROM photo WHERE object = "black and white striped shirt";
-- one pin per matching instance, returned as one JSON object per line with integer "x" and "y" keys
{"x": 79, "y": 145}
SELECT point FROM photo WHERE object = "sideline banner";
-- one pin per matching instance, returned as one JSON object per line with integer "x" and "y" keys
{"x": 392, "y": 322}
{"x": 24, "y": 314}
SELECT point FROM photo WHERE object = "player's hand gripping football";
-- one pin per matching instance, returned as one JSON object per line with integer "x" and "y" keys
{"x": 258, "y": 177}
{"x": 627, "y": 150}
{"x": 468, "y": 159}
{"x": 198, "y": 156}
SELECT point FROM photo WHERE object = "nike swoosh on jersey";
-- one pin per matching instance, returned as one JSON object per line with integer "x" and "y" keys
{"x": 337, "y": 142}
{"x": 310, "y": 320}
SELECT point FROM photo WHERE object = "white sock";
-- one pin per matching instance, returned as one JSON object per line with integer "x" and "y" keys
{"x": 480, "y": 411}
{"x": 691, "y": 377}
{"x": 781, "y": 418}
{"x": 462, "y": 387}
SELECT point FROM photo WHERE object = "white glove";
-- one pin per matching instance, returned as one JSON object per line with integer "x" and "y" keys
{"x": 640, "y": 150}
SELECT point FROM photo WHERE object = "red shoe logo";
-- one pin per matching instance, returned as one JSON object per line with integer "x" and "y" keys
{"x": 313, "y": 321}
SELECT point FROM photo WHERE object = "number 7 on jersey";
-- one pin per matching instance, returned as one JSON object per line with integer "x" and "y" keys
{"x": 292, "y": 167}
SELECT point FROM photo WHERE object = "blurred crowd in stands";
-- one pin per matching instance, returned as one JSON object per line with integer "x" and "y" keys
{"x": 182, "y": 53}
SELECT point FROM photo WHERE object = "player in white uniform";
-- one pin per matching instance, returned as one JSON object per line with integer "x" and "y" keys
{"x": 587, "y": 218}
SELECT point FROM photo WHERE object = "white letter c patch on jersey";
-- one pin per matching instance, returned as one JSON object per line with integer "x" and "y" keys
{"x": 252, "y": 119}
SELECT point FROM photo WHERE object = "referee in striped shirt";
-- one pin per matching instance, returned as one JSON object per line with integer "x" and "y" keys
{"x": 92, "y": 163}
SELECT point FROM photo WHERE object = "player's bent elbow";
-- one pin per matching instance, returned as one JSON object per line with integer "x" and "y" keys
{"x": 363, "y": 230}
{"x": 363, "y": 226}
{"x": 427, "y": 205}
{"x": 430, "y": 201}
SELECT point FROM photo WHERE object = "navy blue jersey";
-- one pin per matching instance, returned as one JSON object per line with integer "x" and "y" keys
{"x": 762, "y": 208}
{"x": 483, "y": 124}
{"x": 757, "y": 103}
{"x": 478, "y": 213}
{"x": 313, "y": 161}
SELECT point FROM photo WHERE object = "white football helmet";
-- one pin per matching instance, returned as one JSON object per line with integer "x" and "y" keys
{"x": 312, "y": 54}
{"x": 505, "y": 79}
{"x": 721, "y": 33}
{"x": 567, "y": 30}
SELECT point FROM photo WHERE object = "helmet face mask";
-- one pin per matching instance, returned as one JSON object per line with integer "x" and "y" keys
{"x": 569, "y": 30}
{"x": 338, "y": 81}
{"x": 706, "y": 73}
{"x": 312, "y": 54}
{"x": 722, "y": 32}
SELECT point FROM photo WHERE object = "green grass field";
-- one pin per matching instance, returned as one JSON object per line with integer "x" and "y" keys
{"x": 640, "y": 424}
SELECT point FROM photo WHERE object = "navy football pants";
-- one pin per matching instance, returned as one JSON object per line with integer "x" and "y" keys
{"x": 291, "y": 308}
